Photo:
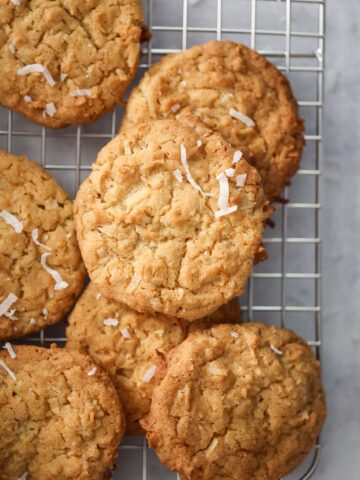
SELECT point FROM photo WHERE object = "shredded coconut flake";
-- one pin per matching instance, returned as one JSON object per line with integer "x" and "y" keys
{"x": 92, "y": 372}
{"x": 188, "y": 174}
{"x": 11, "y": 220}
{"x": 35, "y": 237}
{"x": 242, "y": 117}
{"x": 178, "y": 175}
{"x": 230, "y": 172}
{"x": 234, "y": 334}
{"x": 149, "y": 374}
{"x": 6, "y": 304}
{"x": 11, "y": 314}
{"x": 32, "y": 321}
{"x": 37, "y": 68}
{"x": 15, "y": 2}
{"x": 50, "y": 109}
{"x": 237, "y": 156}
{"x": 80, "y": 92}
{"x": 276, "y": 350}
{"x": 7, "y": 369}
{"x": 184, "y": 83}
{"x": 63, "y": 76}
{"x": 134, "y": 283}
{"x": 111, "y": 322}
{"x": 226, "y": 211}
{"x": 27, "y": 99}
{"x": 24, "y": 476}
{"x": 45, "y": 313}
{"x": 213, "y": 369}
{"x": 240, "y": 180}
{"x": 125, "y": 333}
{"x": 224, "y": 191}
{"x": 10, "y": 350}
{"x": 198, "y": 143}
{"x": 98, "y": 296}
{"x": 175, "y": 107}
{"x": 226, "y": 96}
{"x": 12, "y": 48}
{"x": 60, "y": 284}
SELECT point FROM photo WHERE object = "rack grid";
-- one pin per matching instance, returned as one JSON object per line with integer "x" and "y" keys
{"x": 285, "y": 290}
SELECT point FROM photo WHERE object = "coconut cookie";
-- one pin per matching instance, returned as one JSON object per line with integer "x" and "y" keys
{"x": 60, "y": 416}
{"x": 65, "y": 62}
{"x": 170, "y": 219}
{"x": 41, "y": 271}
{"x": 127, "y": 344}
{"x": 234, "y": 91}
{"x": 237, "y": 401}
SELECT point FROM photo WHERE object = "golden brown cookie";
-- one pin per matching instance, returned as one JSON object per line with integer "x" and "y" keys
{"x": 65, "y": 61}
{"x": 234, "y": 91}
{"x": 127, "y": 345}
{"x": 167, "y": 222}
{"x": 41, "y": 271}
{"x": 60, "y": 416}
{"x": 237, "y": 401}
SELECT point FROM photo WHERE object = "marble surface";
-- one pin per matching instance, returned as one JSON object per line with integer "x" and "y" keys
{"x": 341, "y": 233}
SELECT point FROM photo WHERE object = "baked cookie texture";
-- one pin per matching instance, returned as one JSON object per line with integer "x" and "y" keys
{"x": 90, "y": 51}
{"x": 153, "y": 241}
{"x": 211, "y": 81}
{"x": 58, "y": 418}
{"x": 36, "y": 234}
{"x": 237, "y": 401}
{"x": 129, "y": 344}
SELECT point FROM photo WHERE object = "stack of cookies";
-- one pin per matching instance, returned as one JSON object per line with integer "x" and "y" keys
{"x": 168, "y": 226}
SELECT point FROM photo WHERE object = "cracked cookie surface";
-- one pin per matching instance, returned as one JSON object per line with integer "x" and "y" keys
{"x": 39, "y": 234}
{"x": 90, "y": 49}
{"x": 210, "y": 80}
{"x": 56, "y": 420}
{"x": 237, "y": 401}
{"x": 128, "y": 348}
{"x": 155, "y": 243}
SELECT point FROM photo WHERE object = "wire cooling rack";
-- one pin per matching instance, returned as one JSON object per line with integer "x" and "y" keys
{"x": 284, "y": 290}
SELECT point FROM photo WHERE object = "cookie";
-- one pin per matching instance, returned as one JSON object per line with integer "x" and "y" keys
{"x": 41, "y": 271}
{"x": 234, "y": 91}
{"x": 237, "y": 401}
{"x": 167, "y": 222}
{"x": 127, "y": 345}
{"x": 75, "y": 64}
{"x": 60, "y": 416}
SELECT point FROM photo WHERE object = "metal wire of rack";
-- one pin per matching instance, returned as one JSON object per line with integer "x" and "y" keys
{"x": 285, "y": 290}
